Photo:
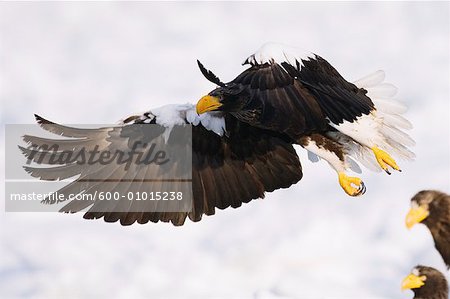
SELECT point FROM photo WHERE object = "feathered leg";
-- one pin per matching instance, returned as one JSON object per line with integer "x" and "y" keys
{"x": 334, "y": 154}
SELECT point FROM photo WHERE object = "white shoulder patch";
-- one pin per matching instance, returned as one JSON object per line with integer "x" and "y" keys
{"x": 170, "y": 115}
{"x": 278, "y": 53}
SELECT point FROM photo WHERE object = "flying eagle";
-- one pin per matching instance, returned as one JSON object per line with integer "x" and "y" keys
{"x": 426, "y": 283}
{"x": 432, "y": 208}
{"x": 243, "y": 134}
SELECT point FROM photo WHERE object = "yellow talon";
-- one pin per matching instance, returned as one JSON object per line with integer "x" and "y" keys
{"x": 347, "y": 183}
{"x": 384, "y": 159}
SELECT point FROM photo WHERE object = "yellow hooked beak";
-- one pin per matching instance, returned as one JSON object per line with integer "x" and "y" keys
{"x": 413, "y": 282}
{"x": 416, "y": 215}
{"x": 207, "y": 103}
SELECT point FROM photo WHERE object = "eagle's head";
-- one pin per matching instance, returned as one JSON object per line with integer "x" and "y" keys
{"x": 423, "y": 204}
{"x": 426, "y": 282}
{"x": 226, "y": 99}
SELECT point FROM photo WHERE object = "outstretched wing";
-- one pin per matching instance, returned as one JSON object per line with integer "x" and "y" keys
{"x": 226, "y": 171}
{"x": 308, "y": 89}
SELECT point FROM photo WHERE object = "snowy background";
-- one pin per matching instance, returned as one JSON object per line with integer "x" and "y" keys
{"x": 98, "y": 62}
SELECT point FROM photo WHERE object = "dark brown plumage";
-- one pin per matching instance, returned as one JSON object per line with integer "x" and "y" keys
{"x": 434, "y": 286}
{"x": 438, "y": 221}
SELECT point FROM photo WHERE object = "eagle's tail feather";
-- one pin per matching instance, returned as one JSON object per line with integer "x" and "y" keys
{"x": 395, "y": 120}
{"x": 370, "y": 80}
{"x": 388, "y": 106}
{"x": 388, "y": 115}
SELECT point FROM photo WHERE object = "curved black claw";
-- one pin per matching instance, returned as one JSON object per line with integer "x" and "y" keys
{"x": 361, "y": 189}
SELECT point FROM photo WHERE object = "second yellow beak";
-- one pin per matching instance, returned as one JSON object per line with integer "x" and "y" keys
{"x": 416, "y": 215}
{"x": 413, "y": 282}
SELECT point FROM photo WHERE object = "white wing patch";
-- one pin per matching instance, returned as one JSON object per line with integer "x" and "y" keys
{"x": 278, "y": 53}
{"x": 170, "y": 115}
{"x": 178, "y": 114}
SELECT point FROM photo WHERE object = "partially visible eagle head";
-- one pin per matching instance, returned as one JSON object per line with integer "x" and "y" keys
{"x": 432, "y": 208}
{"x": 426, "y": 282}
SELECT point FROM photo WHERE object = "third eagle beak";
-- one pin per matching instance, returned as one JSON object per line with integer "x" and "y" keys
{"x": 413, "y": 282}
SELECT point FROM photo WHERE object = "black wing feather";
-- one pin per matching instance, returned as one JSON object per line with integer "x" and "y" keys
{"x": 210, "y": 75}
{"x": 226, "y": 171}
